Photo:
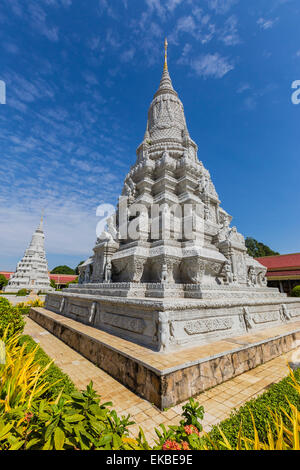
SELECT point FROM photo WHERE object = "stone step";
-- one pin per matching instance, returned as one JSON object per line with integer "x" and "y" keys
{"x": 166, "y": 379}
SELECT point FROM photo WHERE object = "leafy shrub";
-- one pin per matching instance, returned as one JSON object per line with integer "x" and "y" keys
{"x": 280, "y": 435}
{"x": 9, "y": 293}
{"x": 20, "y": 375}
{"x": 4, "y": 303}
{"x": 22, "y": 292}
{"x": 24, "y": 307}
{"x": 295, "y": 291}
{"x": 55, "y": 377}
{"x": 3, "y": 281}
{"x": 186, "y": 436}
{"x": 260, "y": 410}
{"x": 72, "y": 282}
{"x": 70, "y": 421}
{"x": 11, "y": 319}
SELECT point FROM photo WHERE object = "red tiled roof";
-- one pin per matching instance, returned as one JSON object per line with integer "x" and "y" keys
{"x": 62, "y": 278}
{"x": 58, "y": 278}
{"x": 281, "y": 261}
{"x": 6, "y": 274}
{"x": 295, "y": 273}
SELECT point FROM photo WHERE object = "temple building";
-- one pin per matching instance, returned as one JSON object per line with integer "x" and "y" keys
{"x": 283, "y": 271}
{"x": 61, "y": 280}
{"x": 169, "y": 302}
{"x": 32, "y": 270}
{"x": 170, "y": 241}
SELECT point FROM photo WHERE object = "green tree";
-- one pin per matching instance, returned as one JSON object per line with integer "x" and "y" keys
{"x": 52, "y": 283}
{"x": 76, "y": 269}
{"x": 258, "y": 249}
{"x": 3, "y": 281}
{"x": 62, "y": 270}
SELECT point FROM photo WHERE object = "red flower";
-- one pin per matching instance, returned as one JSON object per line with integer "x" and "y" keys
{"x": 191, "y": 429}
{"x": 28, "y": 416}
{"x": 185, "y": 445}
{"x": 171, "y": 445}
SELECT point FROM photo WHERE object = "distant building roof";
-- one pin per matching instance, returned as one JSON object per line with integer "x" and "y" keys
{"x": 62, "y": 278}
{"x": 274, "y": 263}
{"x": 282, "y": 267}
{"x": 6, "y": 274}
{"x": 58, "y": 278}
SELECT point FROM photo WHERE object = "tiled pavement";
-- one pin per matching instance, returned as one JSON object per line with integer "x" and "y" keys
{"x": 218, "y": 402}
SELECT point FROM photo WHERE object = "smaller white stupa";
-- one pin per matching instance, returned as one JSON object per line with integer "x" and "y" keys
{"x": 32, "y": 271}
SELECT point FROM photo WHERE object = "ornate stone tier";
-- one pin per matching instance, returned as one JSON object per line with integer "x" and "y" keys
{"x": 171, "y": 290}
{"x": 166, "y": 325}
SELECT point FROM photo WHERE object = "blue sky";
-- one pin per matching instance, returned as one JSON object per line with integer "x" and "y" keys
{"x": 79, "y": 79}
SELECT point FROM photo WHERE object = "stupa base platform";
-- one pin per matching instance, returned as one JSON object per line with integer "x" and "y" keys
{"x": 166, "y": 379}
{"x": 166, "y": 325}
{"x": 175, "y": 290}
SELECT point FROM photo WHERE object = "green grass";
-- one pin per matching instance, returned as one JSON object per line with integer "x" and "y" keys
{"x": 275, "y": 398}
{"x": 54, "y": 373}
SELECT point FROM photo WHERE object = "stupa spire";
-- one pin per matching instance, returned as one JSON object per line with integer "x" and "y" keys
{"x": 165, "y": 85}
{"x": 166, "y": 54}
{"x": 40, "y": 227}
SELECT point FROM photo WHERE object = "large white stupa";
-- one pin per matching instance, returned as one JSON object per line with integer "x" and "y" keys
{"x": 32, "y": 270}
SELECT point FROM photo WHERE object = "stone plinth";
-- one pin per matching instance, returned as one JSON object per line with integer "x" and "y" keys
{"x": 165, "y": 325}
{"x": 169, "y": 378}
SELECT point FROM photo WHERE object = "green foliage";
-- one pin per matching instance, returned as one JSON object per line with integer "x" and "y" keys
{"x": 276, "y": 398}
{"x": 76, "y": 269}
{"x": 11, "y": 318}
{"x": 186, "y": 436}
{"x": 23, "y": 308}
{"x": 10, "y": 293}
{"x": 258, "y": 249}
{"x": 55, "y": 376}
{"x": 295, "y": 291}
{"x": 40, "y": 408}
{"x": 73, "y": 422}
{"x": 72, "y": 282}
{"x": 3, "y": 281}
{"x": 22, "y": 292}
{"x": 192, "y": 413}
{"x": 4, "y": 303}
{"x": 62, "y": 270}
{"x": 52, "y": 283}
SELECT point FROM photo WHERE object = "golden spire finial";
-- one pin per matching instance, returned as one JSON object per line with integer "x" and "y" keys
{"x": 42, "y": 216}
{"x": 166, "y": 55}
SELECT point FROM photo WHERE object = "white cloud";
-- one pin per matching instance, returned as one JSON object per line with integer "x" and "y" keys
{"x": 186, "y": 24}
{"x": 38, "y": 20}
{"x": 172, "y": 4}
{"x": 211, "y": 65}
{"x": 266, "y": 24}
{"x": 156, "y": 5}
{"x": 221, "y": 6}
{"x": 90, "y": 78}
{"x": 184, "y": 55}
{"x": 229, "y": 34}
{"x": 10, "y": 47}
{"x": 128, "y": 55}
{"x": 243, "y": 87}
{"x": 250, "y": 103}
